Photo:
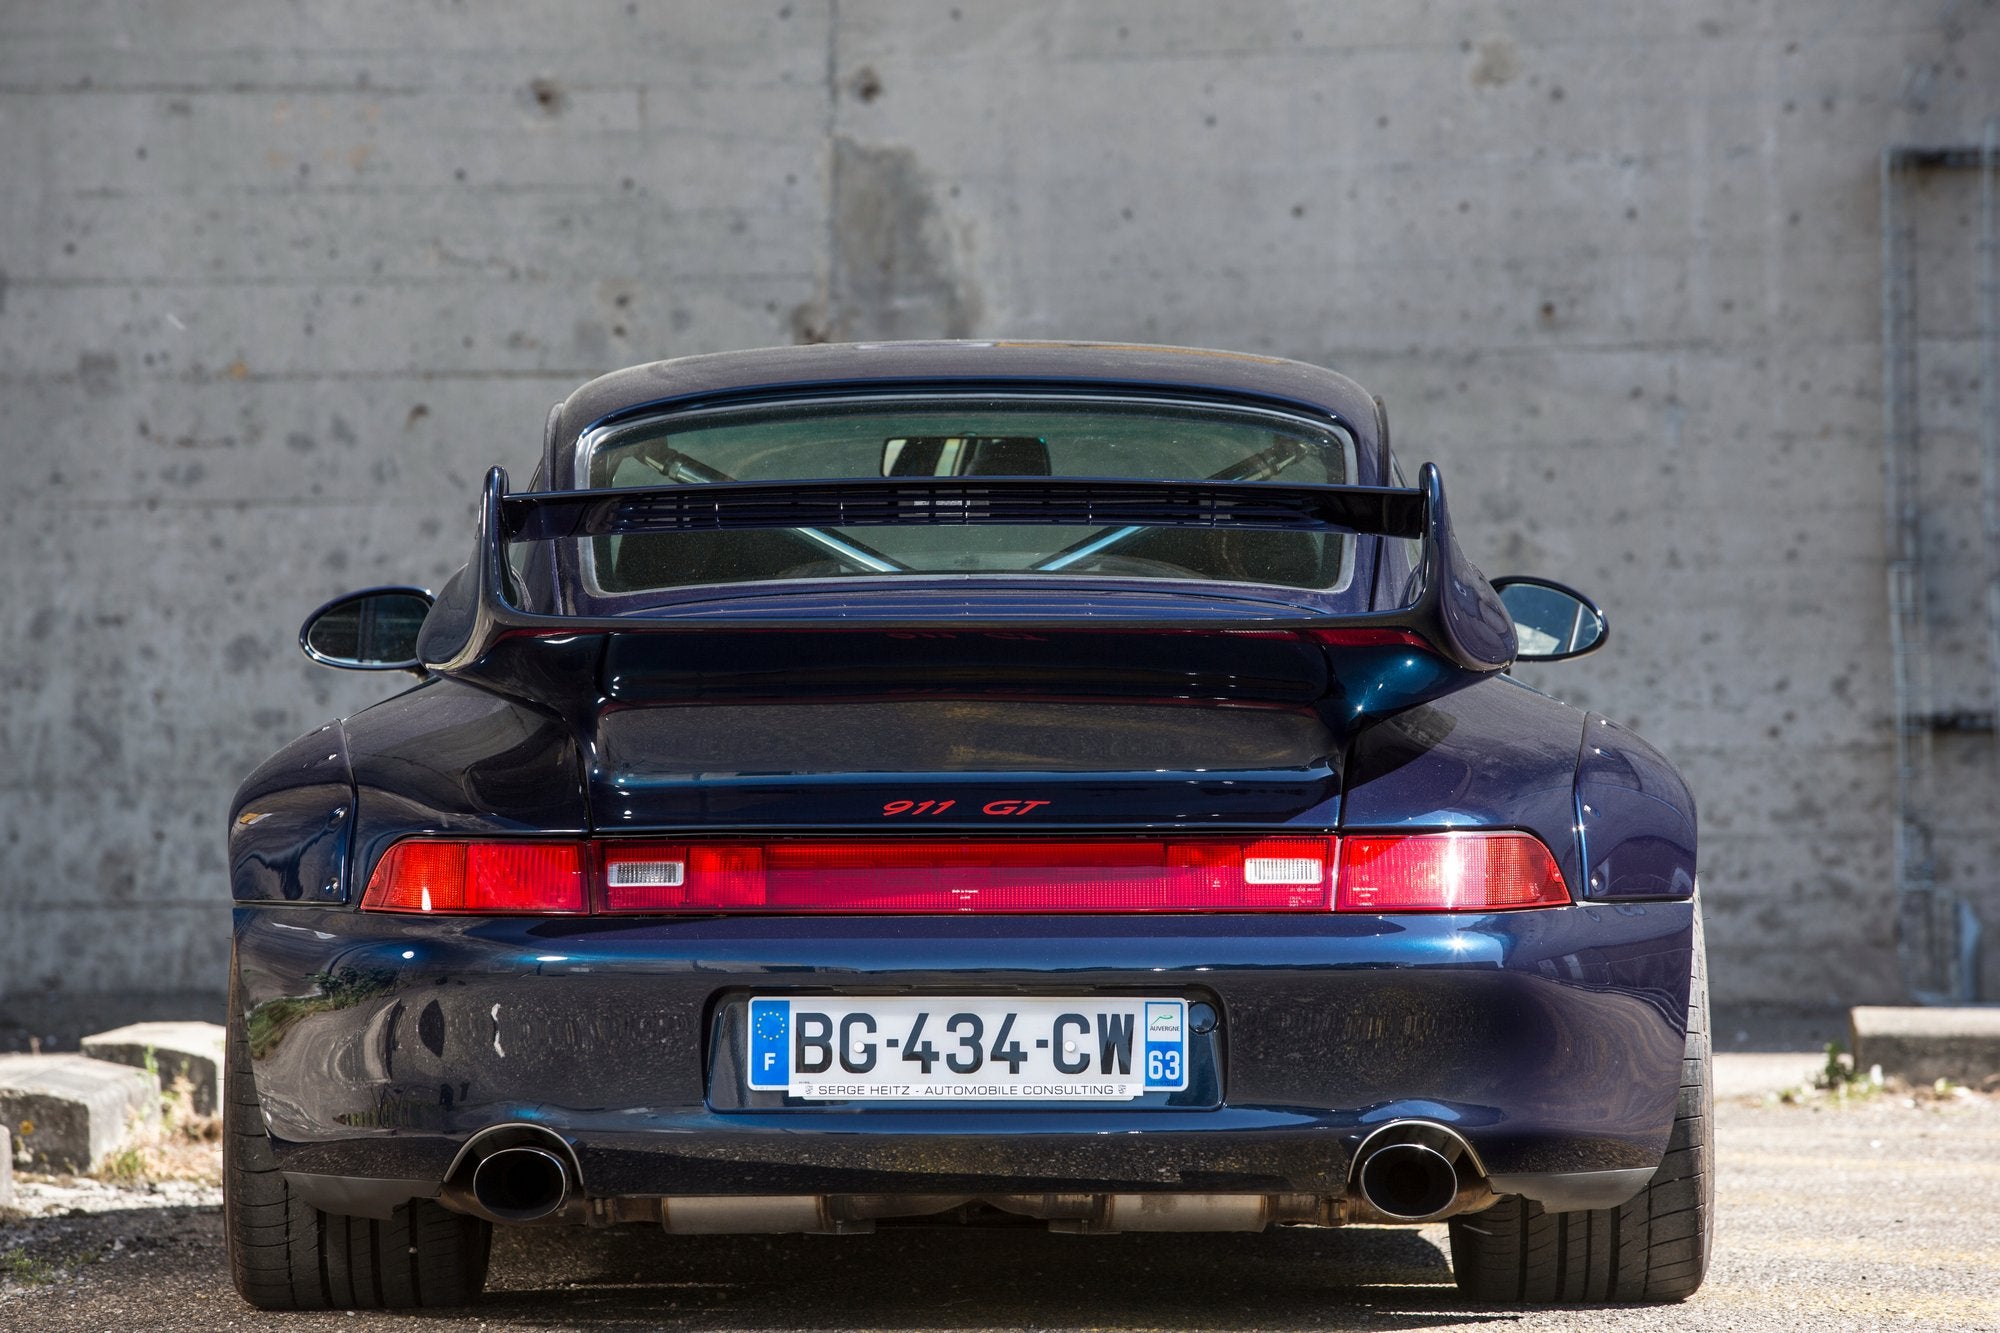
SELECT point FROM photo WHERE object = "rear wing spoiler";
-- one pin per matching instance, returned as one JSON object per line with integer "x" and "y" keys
{"x": 1452, "y": 630}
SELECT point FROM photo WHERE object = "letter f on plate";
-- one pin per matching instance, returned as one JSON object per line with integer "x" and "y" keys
{"x": 770, "y": 1043}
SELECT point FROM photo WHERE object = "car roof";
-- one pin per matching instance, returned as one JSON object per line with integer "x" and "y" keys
{"x": 1065, "y": 366}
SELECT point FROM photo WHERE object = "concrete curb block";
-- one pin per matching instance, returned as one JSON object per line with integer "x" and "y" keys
{"x": 193, "y": 1050}
{"x": 6, "y": 1168}
{"x": 1922, "y": 1045}
{"x": 69, "y": 1111}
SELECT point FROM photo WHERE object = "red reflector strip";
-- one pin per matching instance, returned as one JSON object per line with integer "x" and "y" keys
{"x": 1423, "y": 872}
{"x": 932, "y": 875}
{"x": 454, "y": 877}
{"x": 1447, "y": 872}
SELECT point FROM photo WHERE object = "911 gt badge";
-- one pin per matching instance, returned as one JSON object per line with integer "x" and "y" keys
{"x": 997, "y": 809}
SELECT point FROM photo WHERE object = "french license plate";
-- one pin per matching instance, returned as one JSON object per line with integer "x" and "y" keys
{"x": 963, "y": 1048}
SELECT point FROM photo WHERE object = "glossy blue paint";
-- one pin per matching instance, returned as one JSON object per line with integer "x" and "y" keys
{"x": 1375, "y": 682}
{"x": 1637, "y": 817}
{"x": 1497, "y": 755}
{"x": 1552, "y": 1038}
{"x": 290, "y": 823}
{"x": 447, "y": 758}
{"x": 842, "y": 656}
{"x": 1618, "y": 817}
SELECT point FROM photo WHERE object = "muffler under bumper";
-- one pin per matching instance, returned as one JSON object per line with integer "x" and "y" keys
{"x": 1089, "y": 1214}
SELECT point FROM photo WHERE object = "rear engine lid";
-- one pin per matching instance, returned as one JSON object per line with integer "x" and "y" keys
{"x": 962, "y": 762}
{"x": 851, "y": 727}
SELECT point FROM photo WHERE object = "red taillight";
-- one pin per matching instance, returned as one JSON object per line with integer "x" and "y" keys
{"x": 928, "y": 875}
{"x": 1447, "y": 872}
{"x": 479, "y": 877}
{"x": 1422, "y": 872}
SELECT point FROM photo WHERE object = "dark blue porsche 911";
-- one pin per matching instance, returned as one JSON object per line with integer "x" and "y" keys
{"x": 965, "y": 784}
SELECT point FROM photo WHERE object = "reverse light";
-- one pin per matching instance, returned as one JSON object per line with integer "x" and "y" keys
{"x": 1447, "y": 872}
{"x": 646, "y": 872}
{"x": 460, "y": 877}
{"x": 702, "y": 877}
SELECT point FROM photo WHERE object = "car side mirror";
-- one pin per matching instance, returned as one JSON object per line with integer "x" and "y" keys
{"x": 1552, "y": 622}
{"x": 371, "y": 630}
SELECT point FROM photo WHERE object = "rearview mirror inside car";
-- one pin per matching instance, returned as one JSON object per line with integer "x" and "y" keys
{"x": 965, "y": 456}
{"x": 1551, "y": 622}
{"x": 371, "y": 630}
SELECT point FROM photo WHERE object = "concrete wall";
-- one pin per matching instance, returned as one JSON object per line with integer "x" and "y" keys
{"x": 277, "y": 283}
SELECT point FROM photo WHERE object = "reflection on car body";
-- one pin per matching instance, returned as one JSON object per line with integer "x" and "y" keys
{"x": 957, "y": 783}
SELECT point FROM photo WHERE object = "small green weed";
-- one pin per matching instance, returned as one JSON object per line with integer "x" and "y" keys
{"x": 127, "y": 1167}
{"x": 179, "y": 1145}
{"x": 1842, "y": 1079}
{"x": 1837, "y": 1081}
{"x": 22, "y": 1267}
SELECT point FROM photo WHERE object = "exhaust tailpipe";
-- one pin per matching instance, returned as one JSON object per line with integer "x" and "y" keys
{"x": 1409, "y": 1180}
{"x": 520, "y": 1184}
{"x": 1417, "y": 1171}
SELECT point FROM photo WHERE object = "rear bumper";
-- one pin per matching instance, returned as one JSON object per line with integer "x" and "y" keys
{"x": 1551, "y": 1040}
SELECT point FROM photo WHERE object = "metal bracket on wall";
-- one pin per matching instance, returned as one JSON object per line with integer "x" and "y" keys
{"x": 1937, "y": 931}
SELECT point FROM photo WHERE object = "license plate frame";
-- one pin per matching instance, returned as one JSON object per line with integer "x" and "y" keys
{"x": 1073, "y": 1048}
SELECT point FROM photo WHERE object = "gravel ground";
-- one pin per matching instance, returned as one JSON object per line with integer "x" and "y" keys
{"x": 1874, "y": 1213}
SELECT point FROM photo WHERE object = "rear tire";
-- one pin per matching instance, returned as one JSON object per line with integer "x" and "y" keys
{"x": 1653, "y": 1248}
{"x": 284, "y": 1254}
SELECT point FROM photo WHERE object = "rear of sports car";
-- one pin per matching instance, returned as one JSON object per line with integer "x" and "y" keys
{"x": 916, "y": 842}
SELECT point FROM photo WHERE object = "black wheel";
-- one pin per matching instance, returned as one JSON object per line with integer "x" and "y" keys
{"x": 284, "y": 1254}
{"x": 1653, "y": 1248}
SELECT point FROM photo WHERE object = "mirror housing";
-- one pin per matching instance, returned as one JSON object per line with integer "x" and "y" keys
{"x": 1552, "y": 622}
{"x": 374, "y": 629}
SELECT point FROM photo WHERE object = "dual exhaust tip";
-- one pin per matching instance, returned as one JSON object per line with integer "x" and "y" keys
{"x": 1418, "y": 1171}
{"x": 515, "y": 1173}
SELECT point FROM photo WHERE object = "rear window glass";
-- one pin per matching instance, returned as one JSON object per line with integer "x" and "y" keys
{"x": 969, "y": 437}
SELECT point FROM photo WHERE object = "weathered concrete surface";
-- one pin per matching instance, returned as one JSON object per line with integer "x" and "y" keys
{"x": 176, "y": 1050}
{"x": 1923, "y": 1045}
{"x": 66, "y": 1112}
{"x": 6, "y": 1167}
{"x": 275, "y": 294}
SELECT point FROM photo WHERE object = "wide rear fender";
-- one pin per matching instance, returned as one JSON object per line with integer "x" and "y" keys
{"x": 451, "y": 758}
{"x": 290, "y": 823}
{"x": 1637, "y": 817}
{"x": 1496, "y": 755}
